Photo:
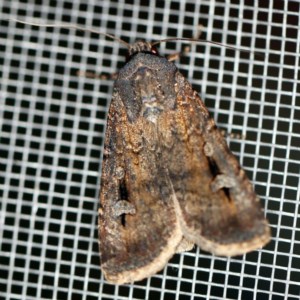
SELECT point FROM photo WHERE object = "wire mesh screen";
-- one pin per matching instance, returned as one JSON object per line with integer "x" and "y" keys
{"x": 53, "y": 117}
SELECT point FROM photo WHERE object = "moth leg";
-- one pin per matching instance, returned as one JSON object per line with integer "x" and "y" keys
{"x": 232, "y": 135}
{"x": 177, "y": 55}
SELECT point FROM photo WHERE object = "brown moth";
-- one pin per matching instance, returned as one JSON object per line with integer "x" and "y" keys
{"x": 168, "y": 179}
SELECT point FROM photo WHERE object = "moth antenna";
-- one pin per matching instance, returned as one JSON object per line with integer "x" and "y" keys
{"x": 72, "y": 26}
{"x": 205, "y": 41}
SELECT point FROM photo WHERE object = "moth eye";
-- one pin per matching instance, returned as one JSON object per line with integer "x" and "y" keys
{"x": 154, "y": 50}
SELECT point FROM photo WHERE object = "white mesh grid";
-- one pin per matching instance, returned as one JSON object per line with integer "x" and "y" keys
{"x": 52, "y": 126}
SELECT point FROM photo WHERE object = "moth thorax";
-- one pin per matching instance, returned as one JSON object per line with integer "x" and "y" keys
{"x": 140, "y": 46}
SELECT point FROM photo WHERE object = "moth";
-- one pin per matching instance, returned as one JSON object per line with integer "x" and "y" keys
{"x": 169, "y": 180}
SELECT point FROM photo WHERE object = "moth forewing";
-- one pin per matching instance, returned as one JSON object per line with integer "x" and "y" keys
{"x": 168, "y": 176}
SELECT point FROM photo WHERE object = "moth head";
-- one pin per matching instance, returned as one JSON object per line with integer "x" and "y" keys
{"x": 141, "y": 46}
